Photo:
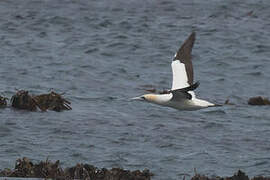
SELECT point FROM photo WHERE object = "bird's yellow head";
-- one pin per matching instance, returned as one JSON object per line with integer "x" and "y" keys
{"x": 147, "y": 97}
{"x": 150, "y": 97}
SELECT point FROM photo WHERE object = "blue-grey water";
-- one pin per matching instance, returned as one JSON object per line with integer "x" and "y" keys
{"x": 100, "y": 53}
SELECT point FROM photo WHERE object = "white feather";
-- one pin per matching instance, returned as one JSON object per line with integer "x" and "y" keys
{"x": 180, "y": 79}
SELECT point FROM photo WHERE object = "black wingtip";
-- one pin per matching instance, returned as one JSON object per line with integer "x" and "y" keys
{"x": 189, "y": 88}
{"x": 186, "y": 48}
{"x": 184, "y": 56}
{"x": 193, "y": 86}
{"x": 191, "y": 38}
{"x": 193, "y": 35}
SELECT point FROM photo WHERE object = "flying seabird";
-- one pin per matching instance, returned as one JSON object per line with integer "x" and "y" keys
{"x": 181, "y": 96}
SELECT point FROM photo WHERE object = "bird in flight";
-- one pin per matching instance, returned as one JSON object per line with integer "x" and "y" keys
{"x": 181, "y": 96}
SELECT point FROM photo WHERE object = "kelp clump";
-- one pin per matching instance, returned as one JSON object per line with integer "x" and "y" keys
{"x": 240, "y": 175}
{"x": 23, "y": 100}
{"x": 258, "y": 101}
{"x": 52, "y": 101}
{"x": 25, "y": 168}
{"x": 89, "y": 172}
{"x": 3, "y": 102}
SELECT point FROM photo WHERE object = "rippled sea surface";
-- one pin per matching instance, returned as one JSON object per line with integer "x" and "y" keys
{"x": 101, "y": 53}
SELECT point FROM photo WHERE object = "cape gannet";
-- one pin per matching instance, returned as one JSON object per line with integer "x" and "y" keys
{"x": 181, "y": 96}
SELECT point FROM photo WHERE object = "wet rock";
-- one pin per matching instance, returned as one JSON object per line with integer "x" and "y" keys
{"x": 25, "y": 168}
{"x": 3, "y": 102}
{"x": 258, "y": 101}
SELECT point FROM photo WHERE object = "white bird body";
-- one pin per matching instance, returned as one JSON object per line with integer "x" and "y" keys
{"x": 185, "y": 104}
{"x": 181, "y": 96}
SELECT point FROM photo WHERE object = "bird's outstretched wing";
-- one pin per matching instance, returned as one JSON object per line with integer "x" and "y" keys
{"x": 182, "y": 68}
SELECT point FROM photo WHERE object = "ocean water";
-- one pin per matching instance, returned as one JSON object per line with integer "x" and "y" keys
{"x": 101, "y": 53}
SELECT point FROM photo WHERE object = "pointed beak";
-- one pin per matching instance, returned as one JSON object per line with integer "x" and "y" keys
{"x": 141, "y": 98}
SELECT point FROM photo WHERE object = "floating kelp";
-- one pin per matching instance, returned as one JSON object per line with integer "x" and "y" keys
{"x": 237, "y": 176}
{"x": 52, "y": 101}
{"x": 258, "y": 101}
{"x": 25, "y": 168}
{"x": 3, "y": 102}
{"x": 22, "y": 100}
{"x": 85, "y": 171}
{"x": 227, "y": 102}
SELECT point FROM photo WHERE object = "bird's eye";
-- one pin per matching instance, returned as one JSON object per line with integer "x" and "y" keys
{"x": 143, "y": 97}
